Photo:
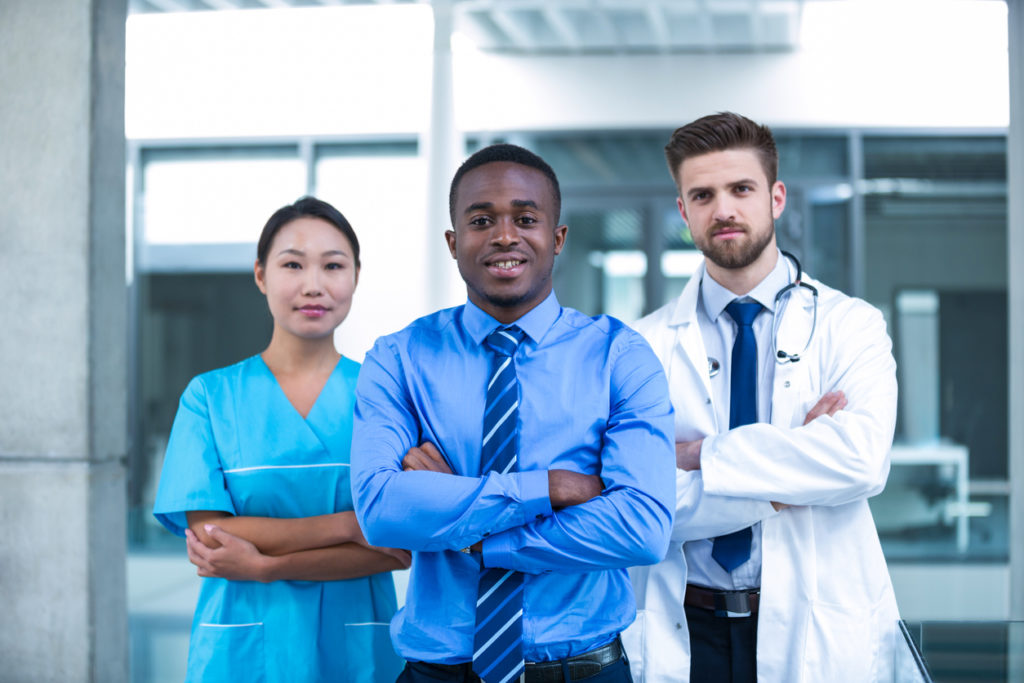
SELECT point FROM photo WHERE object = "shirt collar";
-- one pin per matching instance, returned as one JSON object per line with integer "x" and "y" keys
{"x": 537, "y": 321}
{"x": 715, "y": 297}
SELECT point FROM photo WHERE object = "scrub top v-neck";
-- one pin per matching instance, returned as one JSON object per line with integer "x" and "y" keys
{"x": 239, "y": 446}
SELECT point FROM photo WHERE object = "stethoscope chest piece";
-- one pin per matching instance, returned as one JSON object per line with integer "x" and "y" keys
{"x": 714, "y": 367}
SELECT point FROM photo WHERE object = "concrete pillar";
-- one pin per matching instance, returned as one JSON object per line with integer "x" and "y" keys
{"x": 62, "y": 344}
{"x": 1015, "y": 254}
{"x": 444, "y": 151}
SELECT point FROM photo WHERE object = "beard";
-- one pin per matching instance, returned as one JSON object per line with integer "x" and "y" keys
{"x": 735, "y": 254}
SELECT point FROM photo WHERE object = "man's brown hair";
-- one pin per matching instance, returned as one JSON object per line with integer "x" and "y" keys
{"x": 718, "y": 133}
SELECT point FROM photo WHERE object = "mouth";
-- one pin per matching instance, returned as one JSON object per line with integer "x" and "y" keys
{"x": 506, "y": 266}
{"x": 728, "y": 232}
{"x": 313, "y": 311}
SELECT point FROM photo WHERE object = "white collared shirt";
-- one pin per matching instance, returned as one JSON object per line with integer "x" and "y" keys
{"x": 719, "y": 332}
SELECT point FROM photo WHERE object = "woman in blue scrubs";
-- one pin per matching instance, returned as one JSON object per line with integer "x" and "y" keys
{"x": 256, "y": 477}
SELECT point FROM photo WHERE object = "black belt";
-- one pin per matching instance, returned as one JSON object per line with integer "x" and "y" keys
{"x": 580, "y": 666}
{"x": 723, "y": 603}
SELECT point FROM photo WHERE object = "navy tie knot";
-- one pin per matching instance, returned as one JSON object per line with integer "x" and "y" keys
{"x": 743, "y": 314}
{"x": 505, "y": 340}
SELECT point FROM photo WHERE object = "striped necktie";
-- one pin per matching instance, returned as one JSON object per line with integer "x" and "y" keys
{"x": 733, "y": 549}
{"x": 498, "y": 639}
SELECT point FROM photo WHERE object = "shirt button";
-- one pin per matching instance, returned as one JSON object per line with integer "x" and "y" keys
{"x": 678, "y": 626}
{"x": 786, "y": 384}
{"x": 707, "y": 401}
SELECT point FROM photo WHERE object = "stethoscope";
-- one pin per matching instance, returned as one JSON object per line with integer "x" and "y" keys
{"x": 781, "y": 357}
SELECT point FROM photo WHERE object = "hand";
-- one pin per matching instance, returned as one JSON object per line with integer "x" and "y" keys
{"x": 403, "y": 556}
{"x": 425, "y": 458}
{"x": 400, "y": 554}
{"x": 829, "y": 404}
{"x": 688, "y": 455}
{"x": 567, "y": 488}
{"x": 236, "y": 559}
{"x": 779, "y": 506}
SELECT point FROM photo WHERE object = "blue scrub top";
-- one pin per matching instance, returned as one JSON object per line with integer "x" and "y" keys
{"x": 239, "y": 446}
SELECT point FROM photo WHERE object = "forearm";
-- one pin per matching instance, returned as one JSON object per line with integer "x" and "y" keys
{"x": 832, "y": 461}
{"x": 334, "y": 563}
{"x": 433, "y": 511}
{"x": 702, "y": 515}
{"x": 279, "y": 536}
{"x": 620, "y": 528}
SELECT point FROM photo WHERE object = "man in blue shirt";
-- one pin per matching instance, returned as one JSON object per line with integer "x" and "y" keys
{"x": 589, "y": 488}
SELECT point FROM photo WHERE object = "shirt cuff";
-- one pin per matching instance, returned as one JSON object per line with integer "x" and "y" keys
{"x": 533, "y": 492}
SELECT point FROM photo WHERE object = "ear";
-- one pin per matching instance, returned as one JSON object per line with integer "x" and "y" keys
{"x": 560, "y": 233}
{"x": 355, "y": 279}
{"x": 449, "y": 236}
{"x": 682, "y": 209}
{"x": 259, "y": 275}
{"x": 778, "y": 198}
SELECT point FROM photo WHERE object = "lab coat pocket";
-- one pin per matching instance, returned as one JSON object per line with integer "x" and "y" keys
{"x": 841, "y": 644}
{"x": 227, "y": 652}
{"x": 368, "y": 647}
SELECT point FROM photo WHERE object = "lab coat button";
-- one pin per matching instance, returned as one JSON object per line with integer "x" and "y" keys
{"x": 678, "y": 626}
{"x": 786, "y": 384}
{"x": 707, "y": 401}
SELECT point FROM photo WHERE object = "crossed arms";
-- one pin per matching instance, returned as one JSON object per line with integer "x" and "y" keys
{"x": 616, "y": 514}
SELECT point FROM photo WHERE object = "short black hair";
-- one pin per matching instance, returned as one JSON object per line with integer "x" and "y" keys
{"x": 306, "y": 206}
{"x": 718, "y": 133}
{"x": 511, "y": 153}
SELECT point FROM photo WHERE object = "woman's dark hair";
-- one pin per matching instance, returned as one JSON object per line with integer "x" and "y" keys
{"x": 307, "y": 206}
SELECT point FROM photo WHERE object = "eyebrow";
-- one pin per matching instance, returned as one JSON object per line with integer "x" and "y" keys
{"x": 299, "y": 252}
{"x": 743, "y": 181}
{"x": 517, "y": 203}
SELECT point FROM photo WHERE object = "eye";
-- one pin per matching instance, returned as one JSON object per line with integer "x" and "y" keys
{"x": 294, "y": 265}
{"x": 335, "y": 266}
{"x": 480, "y": 221}
{"x": 527, "y": 220}
{"x": 744, "y": 189}
{"x": 700, "y": 196}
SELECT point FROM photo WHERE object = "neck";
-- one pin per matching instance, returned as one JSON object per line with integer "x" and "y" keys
{"x": 290, "y": 354}
{"x": 740, "y": 281}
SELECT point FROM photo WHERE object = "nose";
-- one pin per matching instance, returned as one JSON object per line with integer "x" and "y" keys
{"x": 505, "y": 233}
{"x": 311, "y": 282}
{"x": 724, "y": 209}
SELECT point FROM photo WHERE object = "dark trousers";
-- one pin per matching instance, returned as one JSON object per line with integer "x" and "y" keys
{"x": 722, "y": 649}
{"x": 422, "y": 672}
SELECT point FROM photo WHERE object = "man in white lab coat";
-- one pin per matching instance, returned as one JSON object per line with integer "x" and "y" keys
{"x": 784, "y": 417}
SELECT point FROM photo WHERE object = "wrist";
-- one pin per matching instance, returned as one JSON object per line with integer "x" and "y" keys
{"x": 269, "y": 568}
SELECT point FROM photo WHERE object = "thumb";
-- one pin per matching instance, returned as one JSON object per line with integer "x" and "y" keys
{"x": 217, "y": 534}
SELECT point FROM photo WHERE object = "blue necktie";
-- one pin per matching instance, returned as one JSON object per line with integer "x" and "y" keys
{"x": 498, "y": 638}
{"x": 733, "y": 549}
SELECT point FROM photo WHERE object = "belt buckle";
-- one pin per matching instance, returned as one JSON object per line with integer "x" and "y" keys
{"x": 732, "y": 604}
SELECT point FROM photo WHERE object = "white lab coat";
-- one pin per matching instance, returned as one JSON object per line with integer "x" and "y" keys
{"x": 827, "y": 608}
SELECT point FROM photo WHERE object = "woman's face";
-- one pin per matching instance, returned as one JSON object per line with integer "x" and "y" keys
{"x": 309, "y": 277}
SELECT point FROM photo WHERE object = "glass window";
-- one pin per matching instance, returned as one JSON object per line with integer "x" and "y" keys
{"x": 217, "y": 194}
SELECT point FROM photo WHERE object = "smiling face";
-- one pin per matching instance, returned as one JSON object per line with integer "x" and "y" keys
{"x": 730, "y": 208}
{"x": 309, "y": 278}
{"x": 505, "y": 238}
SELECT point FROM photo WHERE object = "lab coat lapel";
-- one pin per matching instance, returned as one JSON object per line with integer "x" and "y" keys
{"x": 689, "y": 362}
{"x": 792, "y": 380}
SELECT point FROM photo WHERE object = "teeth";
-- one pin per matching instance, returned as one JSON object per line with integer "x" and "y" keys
{"x": 507, "y": 264}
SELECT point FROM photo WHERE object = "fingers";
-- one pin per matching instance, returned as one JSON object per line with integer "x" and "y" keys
{"x": 425, "y": 458}
{"x": 403, "y": 556}
{"x": 829, "y": 404}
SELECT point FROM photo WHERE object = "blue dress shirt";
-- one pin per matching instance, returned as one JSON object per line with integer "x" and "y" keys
{"x": 594, "y": 399}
